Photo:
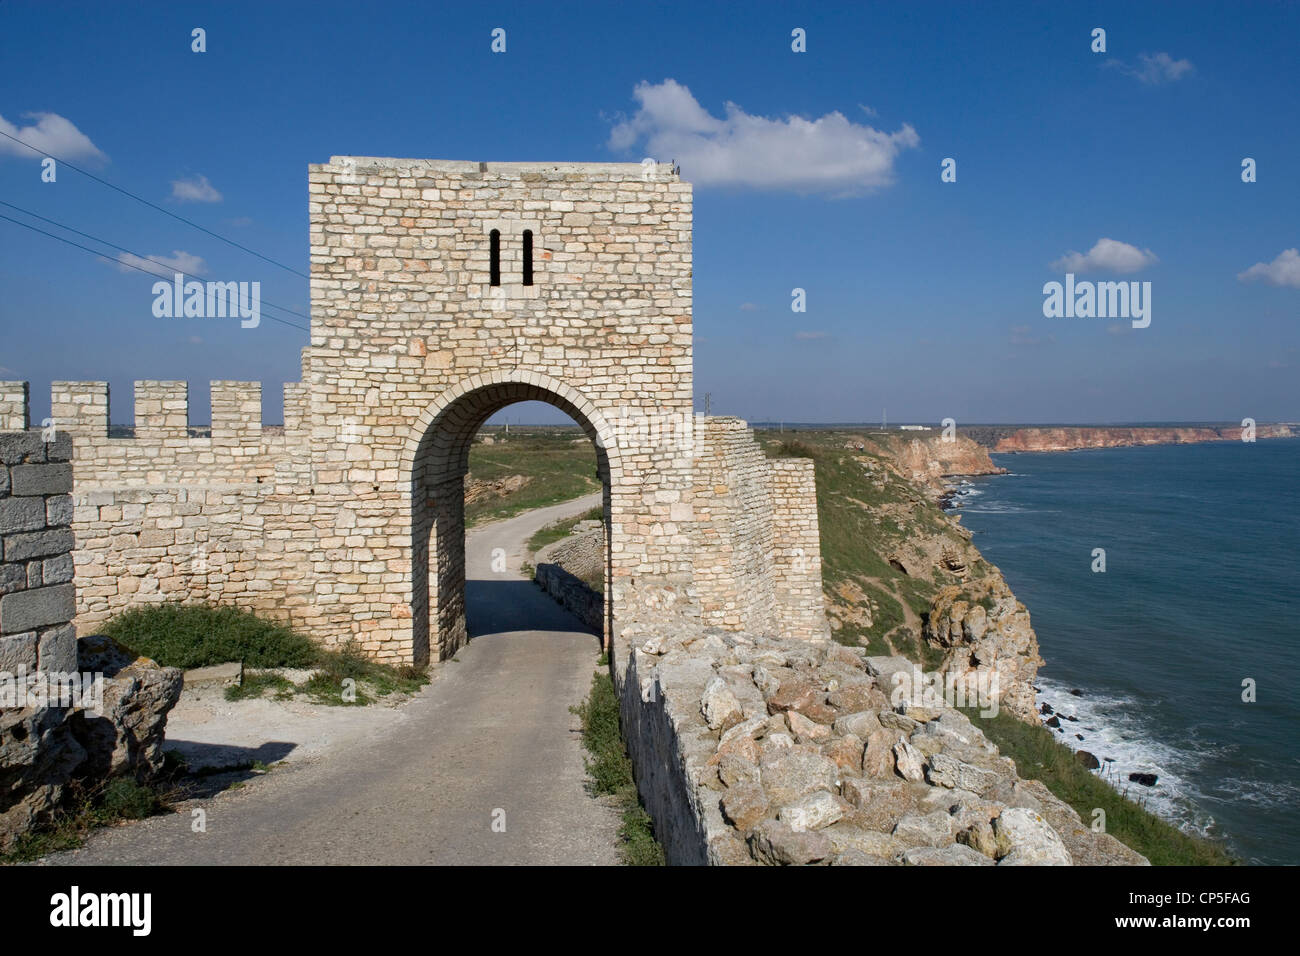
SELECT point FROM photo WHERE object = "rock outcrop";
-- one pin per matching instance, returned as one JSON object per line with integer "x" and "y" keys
{"x": 757, "y": 750}
{"x": 117, "y": 730}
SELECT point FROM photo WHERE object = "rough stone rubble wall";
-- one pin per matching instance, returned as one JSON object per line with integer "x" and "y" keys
{"x": 37, "y": 596}
{"x": 749, "y": 749}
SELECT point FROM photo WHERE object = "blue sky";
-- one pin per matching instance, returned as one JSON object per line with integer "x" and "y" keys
{"x": 818, "y": 170}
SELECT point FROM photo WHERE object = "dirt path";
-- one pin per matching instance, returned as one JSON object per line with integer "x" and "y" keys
{"x": 491, "y": 739}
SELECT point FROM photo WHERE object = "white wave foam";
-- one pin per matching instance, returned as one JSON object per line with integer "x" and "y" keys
{"x": 1124, "y": 745}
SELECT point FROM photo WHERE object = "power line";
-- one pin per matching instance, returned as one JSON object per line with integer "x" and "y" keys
{"x": 100, "y": 255}
{"x": 105, "y": 242}
{"x": 166, "y": 212}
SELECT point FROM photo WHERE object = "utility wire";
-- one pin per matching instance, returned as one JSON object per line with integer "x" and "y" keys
{"x": 166, "y": 212}
{"x": 170, "y": 268}
{"x": 138, "y": 268}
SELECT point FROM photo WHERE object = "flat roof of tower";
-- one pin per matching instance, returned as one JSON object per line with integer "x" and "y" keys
{"x": 469, "y": 166}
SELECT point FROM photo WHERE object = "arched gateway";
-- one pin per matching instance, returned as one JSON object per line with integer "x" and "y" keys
{"x": 441, "y": 292}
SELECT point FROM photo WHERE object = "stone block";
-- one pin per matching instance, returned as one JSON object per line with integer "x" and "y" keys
{"x": 38, "y": 544}
{"x": 44, "y": 479}
{"x": 21, "y": 514}
{"x": 41, "y": 607}
{"x": 58, "y": 511}
{"x": 57, "y": 649}
{"x": 219, "y": 675}
{"x": 58, "y": 570}
{"x": 19, "y": 447}
{"x": 18, "y": 651}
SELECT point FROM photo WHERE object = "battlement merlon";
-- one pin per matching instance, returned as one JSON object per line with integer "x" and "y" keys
{"x": 161, "y": 410}
{"x": 14, "y": 407}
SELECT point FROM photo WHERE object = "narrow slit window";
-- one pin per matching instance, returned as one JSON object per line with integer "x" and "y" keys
{"x": 495, "y": 267}
{"x": 528, "y": 257}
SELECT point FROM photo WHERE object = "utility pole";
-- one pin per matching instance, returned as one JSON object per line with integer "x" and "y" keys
{"x": 708, "y": 403}
{"x": 884, "y": 417}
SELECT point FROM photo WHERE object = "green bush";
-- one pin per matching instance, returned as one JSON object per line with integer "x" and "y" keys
{"x": 197, "y": 635}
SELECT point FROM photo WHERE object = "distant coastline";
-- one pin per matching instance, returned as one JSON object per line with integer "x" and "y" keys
{"x": 1008, "y": 439}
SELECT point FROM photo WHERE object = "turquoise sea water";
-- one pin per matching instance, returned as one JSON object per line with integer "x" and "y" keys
{"x": 1198, "y": 595}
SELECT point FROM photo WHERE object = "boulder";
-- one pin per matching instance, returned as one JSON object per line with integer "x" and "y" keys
{"x": 719, "y": 705}
{"x": 38, "y": 756}
{"x": 744, "y": 805}
{"x": 929, "y": 829}
{"x": 777, "y": 844}
{"x": 1089, "y": 760}
{"x": 126, "y": 737}
{"x": 790, "y": 772}
{"x": 955, "y": 855}
{"x": 908, "y": 762}
{"x": 1024, "y": 838}
{"x": 813, "y": 811}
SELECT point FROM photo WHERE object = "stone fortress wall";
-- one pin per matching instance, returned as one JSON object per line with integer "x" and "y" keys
{"x": 347, "y": 522}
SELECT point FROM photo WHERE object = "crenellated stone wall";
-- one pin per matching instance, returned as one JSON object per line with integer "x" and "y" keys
{"x": 348, "y": 521}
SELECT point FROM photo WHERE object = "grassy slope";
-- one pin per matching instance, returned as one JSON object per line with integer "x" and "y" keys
{"x": 560, "y": 461}
{"x": 856, "y": 536}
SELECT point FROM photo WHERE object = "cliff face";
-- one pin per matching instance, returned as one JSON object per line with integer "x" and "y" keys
{"x": 927, "y": 461}
{"x": 1069, "y": 439}
{"x": 902, "y": 577}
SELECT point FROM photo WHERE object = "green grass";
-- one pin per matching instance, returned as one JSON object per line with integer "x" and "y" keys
{"x": 257, "y": 685}
{"x": 109, "y": 803}
{"x": 560, "y": 461}
{"x": 198, "y": 635}
{"x": 1039, "y": 755}
{"x": 559, "y": 530}
{"x": 610, "y": 771}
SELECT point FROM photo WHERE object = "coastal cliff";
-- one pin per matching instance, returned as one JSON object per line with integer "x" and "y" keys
{"x": 901, "y": 576}
{"x": 1068, "y": 438}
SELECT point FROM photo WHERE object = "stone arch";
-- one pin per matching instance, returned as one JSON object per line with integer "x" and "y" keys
{"x": 435, "y": 461}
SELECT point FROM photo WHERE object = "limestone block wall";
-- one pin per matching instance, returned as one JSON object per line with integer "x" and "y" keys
{"x": 758, "y": 556}
{"x": 37, "y": 594}
{"x": 174, "y": 514}
{"x": 413, "y": 347}
{"x": 796, "y": 562}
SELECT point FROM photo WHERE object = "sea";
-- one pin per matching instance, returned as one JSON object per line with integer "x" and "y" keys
{"x": 1182, "y": 657}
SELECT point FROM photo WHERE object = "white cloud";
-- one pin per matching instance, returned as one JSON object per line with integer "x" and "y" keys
{"x": 1155, "y": 68}
{"x": 1284, "y": 270}
{"x": 809, "y": 335}
{"x": 1108, "y": 255}
{"x": 194, "y": 189}
{"x": 164, "y": 266}
{"x": 1024, "y": 335}
{"x": 828, "y": 154}
{"x": 749, "y": 307}
{"x": 51, "y": 135}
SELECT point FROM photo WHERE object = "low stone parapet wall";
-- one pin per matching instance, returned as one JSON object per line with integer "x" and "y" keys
{"x": 759, "y": 750}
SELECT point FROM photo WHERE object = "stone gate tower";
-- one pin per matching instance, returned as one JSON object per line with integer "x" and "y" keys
{"x": 441, "y": 292}
{"x": 444, "y": 291}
